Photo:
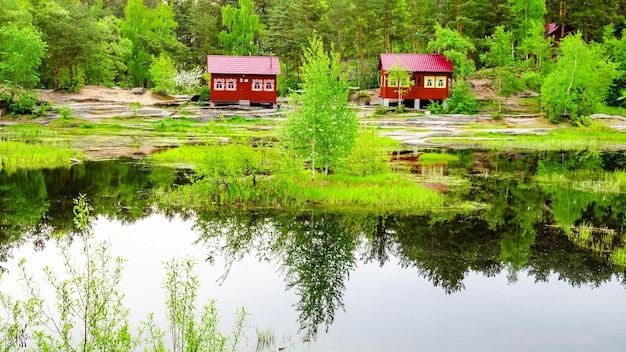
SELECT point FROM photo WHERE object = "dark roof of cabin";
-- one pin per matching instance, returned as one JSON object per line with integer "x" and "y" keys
{"x": 249, "y": 65}
{"x": 416, "y": 62}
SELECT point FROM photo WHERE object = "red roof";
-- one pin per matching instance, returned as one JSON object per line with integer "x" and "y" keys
{"x": 416, "y": 62}
{"x": 249, "y": 65}
{"x": 550, "y": 28}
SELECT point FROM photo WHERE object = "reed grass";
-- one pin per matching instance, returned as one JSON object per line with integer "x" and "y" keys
{"x": 265, "y": 340}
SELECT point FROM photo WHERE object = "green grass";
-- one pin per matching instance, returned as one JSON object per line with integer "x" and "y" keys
{"x": 185, "y": 155}
{"x": 610, "y": 110}
{"x": 21, "y": 155}
{"x": 590, "y": 138}
{"x": 437, "y": 158}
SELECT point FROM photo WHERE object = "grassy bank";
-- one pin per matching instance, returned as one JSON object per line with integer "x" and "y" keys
{"x": 264, "y": 176}
{"x": 22, "y": 155}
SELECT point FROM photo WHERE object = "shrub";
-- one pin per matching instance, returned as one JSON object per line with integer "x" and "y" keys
{"x": 188, "y": 82}
{"x": 531, "y": 80}
{"x": 20, "y": 102}
{"x": 205, "y": 93}
{"x": 462, "y": 100}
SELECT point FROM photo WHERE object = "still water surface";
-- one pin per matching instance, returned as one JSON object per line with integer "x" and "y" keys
{"x": 504, "y": 277}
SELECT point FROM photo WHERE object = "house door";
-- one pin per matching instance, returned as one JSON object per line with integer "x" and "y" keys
{"x": 244, "y": 87}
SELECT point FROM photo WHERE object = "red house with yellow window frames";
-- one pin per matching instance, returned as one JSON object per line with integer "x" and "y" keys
{"x": 430, "y": 75}
{"x": 243, "y": 80}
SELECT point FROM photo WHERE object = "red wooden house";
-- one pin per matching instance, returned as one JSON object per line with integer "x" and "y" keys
{"x": 243, "y": 80}
{"x": 430, "y": 76}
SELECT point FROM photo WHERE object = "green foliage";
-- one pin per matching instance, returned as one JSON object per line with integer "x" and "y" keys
{"x": 322, "y": 128}
{"x": 163, "y": 73}
{"x": 152, "y": 33}
{"x": 21, "y": 53}
{"x": 369, "y": 156}
{"x": 462, "y": 100}
{"x": 531, "y": 80}
{"x": 190, "y": 330}
{"x": 20, "y": 102}
{"x": 90, "y": 314}
{"x": 205, "y": 93}
{"x": 243, "y": 29}
{"x": 579, "y": 81}
{"x": 456, "y": 49}
{"x": 535, "y": 51}
{"x": 528, "y": 13}
{"x": 398, "y": 73}
{"x": 500, "y": 52}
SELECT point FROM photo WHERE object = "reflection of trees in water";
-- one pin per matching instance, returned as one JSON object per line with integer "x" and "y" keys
{"x": 318, "y": 250}
{"x": 36, "y": 203}
{"x": 315, "y": 252}
{"x": 446, "y": 250}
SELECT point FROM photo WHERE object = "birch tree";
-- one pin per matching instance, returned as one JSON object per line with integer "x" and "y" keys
{"x": 322, "y": 128}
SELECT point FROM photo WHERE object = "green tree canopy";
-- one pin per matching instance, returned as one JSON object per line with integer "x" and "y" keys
{"x": 456, "y": 49}
{"x": 243, "y": 29}
{"x": 21, "y": 52}
{"x": 580, "y": 80}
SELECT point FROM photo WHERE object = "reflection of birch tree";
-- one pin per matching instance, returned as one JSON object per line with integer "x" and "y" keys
{"x": 318, "y": 255}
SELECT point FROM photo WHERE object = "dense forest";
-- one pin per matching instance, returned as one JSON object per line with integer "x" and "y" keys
{"x": 64, "y": 44}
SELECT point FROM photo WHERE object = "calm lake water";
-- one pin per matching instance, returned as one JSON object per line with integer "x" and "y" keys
{"x": 503, "y": 268}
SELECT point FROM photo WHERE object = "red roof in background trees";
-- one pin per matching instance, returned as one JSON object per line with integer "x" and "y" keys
{"x": 249, "y": 65}
{"x": 550, "y": 28}
{"x": 416, "y": 62}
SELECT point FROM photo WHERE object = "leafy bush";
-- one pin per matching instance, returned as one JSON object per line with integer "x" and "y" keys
{"x": 205, "y": 93}
{"x": 286, "y": 86}
{"x": 531, "y": 80}
{"x": 462, "y": 100}
{"x": 20, "y": 102}
{"x": 368, "y": 156}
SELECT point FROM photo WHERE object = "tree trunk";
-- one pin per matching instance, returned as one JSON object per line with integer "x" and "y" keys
{"x": 361, "y": 51}
{"x": 313, "y": 159}
{"x": 416, "y": 7}
{"x": 562, "y": 15}
{"x": 459, "y": 27}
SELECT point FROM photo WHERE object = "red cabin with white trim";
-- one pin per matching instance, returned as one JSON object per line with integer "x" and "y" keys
{"x": 243, "y": 80}
{"x": 431, "y": 75}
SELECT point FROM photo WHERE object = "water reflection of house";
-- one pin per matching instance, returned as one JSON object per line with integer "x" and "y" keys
{"x": 430, "y": 78}
{"x": 432, "y": 170}
{"x": 243, "y": 80}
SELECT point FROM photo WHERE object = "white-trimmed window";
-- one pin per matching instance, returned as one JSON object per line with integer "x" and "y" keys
{"x": 231, "y": 84}
{"x": 429, "y": 82}
{"x": 268, "y": 85}
{"x": 218, "y": 84}
{"x": 441, "y": 81}
{"x": 405, "y": 82}
{"x": 257, "y": 85}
